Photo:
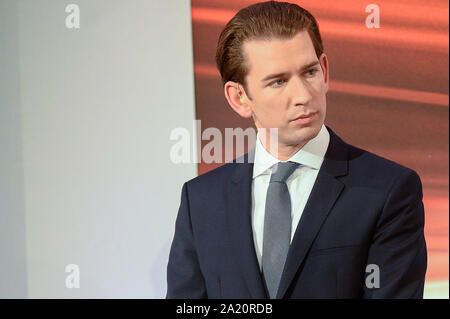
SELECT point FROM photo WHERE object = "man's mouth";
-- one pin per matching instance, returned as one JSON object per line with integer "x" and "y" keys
{"x": 305, "y": 118}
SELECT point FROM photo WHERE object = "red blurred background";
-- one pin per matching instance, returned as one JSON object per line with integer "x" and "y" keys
{"x": 388, "y": 93}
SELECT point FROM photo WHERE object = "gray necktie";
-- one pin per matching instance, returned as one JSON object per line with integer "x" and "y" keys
{"x": 277, "y": 226}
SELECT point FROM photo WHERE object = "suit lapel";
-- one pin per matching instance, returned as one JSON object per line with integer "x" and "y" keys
{"x": 324, "y": 194}
{"x": 240, "y": 226}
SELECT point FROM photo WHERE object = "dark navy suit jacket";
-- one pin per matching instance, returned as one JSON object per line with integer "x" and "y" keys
{"x": 363, "y": 210}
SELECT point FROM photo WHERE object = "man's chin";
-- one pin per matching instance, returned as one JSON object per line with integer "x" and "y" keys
{"x": 299, "y": 136}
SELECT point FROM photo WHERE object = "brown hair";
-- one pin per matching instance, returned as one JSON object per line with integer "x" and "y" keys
{"x": 261, "y": 21}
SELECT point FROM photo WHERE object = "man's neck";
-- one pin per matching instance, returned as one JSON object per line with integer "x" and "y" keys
{"x": 284, "y": 152}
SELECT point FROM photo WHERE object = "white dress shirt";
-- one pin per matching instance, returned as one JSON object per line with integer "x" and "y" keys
{"x": 300, "y": 183}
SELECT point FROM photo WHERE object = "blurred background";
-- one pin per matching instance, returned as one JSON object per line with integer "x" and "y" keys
{"x": 388, "y": 93}
{"x": 86, "y": 117}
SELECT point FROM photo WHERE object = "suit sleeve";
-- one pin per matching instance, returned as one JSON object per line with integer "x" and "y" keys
{"x": 398, "y": 247}
{"x": 184, "y": 277}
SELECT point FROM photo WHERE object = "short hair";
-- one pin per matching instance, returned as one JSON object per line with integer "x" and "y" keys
{"x": 261, "y": 21}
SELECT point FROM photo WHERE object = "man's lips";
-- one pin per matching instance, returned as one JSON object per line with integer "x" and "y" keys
{"x": 305, "y": 116}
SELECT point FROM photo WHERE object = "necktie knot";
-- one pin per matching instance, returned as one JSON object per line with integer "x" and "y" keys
{"x": 282, "y": 171}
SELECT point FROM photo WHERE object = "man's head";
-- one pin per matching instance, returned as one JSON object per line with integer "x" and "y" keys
{"x": 270, "y": 57}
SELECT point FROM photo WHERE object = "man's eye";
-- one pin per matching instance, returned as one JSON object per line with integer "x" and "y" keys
{"x": 277, "y": 83}
{"x": 311, "y": 72}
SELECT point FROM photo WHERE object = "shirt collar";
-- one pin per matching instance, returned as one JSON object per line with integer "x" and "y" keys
{"x": 311, "y": 154}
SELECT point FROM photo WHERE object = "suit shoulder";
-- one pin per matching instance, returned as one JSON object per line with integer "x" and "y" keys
{"x": 375, "y": 165}
{"x": 212, "y": 178}
{"x": 366, "y": 164}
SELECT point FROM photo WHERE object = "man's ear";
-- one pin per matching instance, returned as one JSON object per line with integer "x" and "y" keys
{"x": 326, "y": 70}
{"x": 237, "y": 99}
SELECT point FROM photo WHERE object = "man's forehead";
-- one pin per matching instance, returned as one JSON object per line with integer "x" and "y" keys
{"x": 278, "y": 52}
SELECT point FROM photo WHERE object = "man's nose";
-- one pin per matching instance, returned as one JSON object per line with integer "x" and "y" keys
{"x": 300, "y": 91}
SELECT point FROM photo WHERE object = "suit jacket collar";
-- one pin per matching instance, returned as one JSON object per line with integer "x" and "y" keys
{"x": 324, "y": 194}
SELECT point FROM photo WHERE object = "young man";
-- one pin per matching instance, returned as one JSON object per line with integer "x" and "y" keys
{"x": 318, "y": 219}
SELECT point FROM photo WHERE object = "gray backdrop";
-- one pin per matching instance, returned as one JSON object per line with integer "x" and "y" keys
{"x": 85, "y": 120}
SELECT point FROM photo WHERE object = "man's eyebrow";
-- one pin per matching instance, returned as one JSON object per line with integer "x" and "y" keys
{"x": 282, "y": 74}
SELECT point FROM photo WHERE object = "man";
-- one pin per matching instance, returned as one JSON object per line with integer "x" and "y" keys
{"x": 318, "y": 219}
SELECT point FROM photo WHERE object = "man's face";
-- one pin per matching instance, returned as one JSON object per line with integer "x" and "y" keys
{"x": 287, "y": 80}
